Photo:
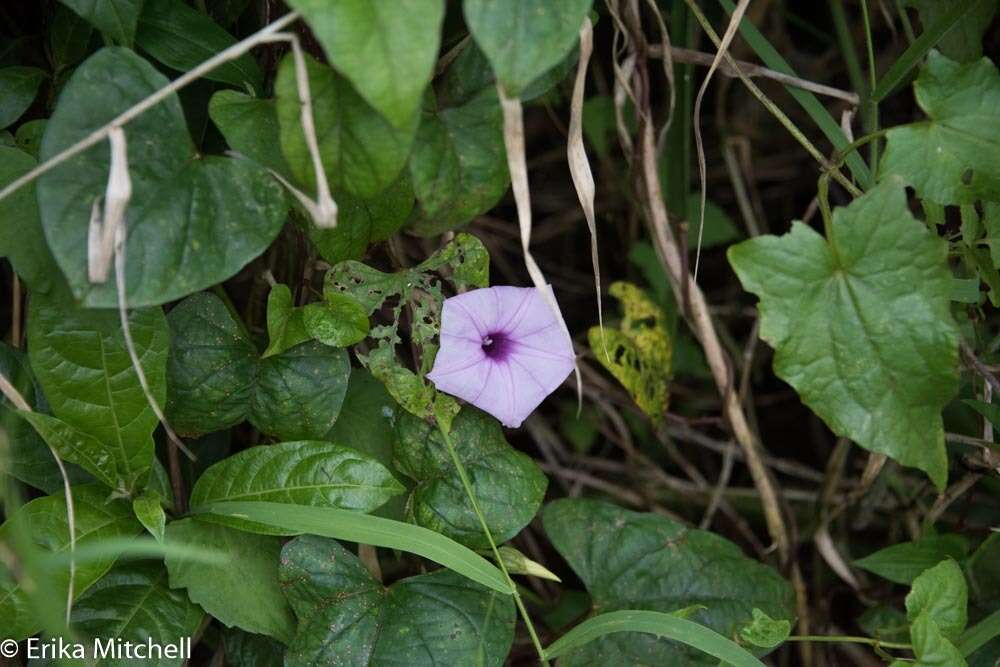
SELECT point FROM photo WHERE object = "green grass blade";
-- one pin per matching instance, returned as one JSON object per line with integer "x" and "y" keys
{"x": 141, "y": 547}
{"x": 980, "y": 633}
{"x": 366, "y": 529}
{"x": 812, "y": 106}
{"x": 657, "y": 623}
{"x": 919, "y": 48}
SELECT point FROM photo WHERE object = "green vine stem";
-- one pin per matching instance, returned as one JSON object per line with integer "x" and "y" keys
{"x": 870, "y": 641}
{"x": 870, "y": 105}
{"x": 467, "y": 485}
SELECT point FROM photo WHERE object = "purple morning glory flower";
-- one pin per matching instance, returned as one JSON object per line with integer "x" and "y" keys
{"x": 503, "y": 350}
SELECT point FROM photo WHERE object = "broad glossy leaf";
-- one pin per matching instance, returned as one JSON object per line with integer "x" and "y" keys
{"x": 299, "y": 392}
{"x": 134, "y": 603}
{"x": 82, "y": 364}
{"x": 861, "y": 324}
{"x": 432, "y": 619}
{"x": 216, "y": 379}
{"x": 22, "y": 240}
{"x": 964, "y": 42}
{"x": 182, "y": 38}
{"x": 903, "y": 562}
{"x": 459, "y": 164}
{"x": 29, "y": 136}
{"x": 115, "y": 18}
{"x": 245, "y": 649}
{"x": 367, "y": 419}
{"x": 509, "y": 486}
{"x": 321, "y": 474}
{"x": 244, "y": 592}
{"x": 193, "y": 220}
{"x": 250, "y": 126}
{"x": 26, "y": 457}
{"x": 941, "y": 594}
{"x": 361, "y": 152}
{"x": 632, "y": 560}
{"x": 69, "y": 36}
{"x": 362, "y": 222}
{"x": 212, "y": 367}
{"x": 387, "y": 50}
{"x": 75, "y": 446}
{"x": 524, "y": 38}
{"x": 97, "y": 519}
{"x": 943, "y": 157}
{"x": 18, "y": 87}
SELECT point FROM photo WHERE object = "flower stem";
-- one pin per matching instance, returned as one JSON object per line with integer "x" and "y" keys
{"x": 467, "y": 485}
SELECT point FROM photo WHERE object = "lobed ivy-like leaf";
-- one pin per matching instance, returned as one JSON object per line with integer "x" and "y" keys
{"x": 861, "y": 324}
{"x": 951, "y": 157}
{"x": 346, "y": 617}
{"x": 631, "y": 560}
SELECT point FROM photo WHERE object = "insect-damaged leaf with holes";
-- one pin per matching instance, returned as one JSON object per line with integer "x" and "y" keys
{"x": 387, "y": 50}
{"x": 633, "y": 560}
{"x": 81, "y": 361}
{"x": 459, "y": 164}
{"x": 97, "y": 519}
{"x": 440, "y": 618}
{"x": 952, "y": 157}
{"x": 361, "y": 152}
{"x": 524, "y": 38}
{"x": 193, "y": 220}
{"x": 216, "y": 379}
{"x": 465, "y": 264}
{"x": 638, "y": 352}
{"x": 507, "y": 484}
{"x": 861, "y": 325}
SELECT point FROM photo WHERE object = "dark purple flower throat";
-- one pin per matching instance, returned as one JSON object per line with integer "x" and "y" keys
{"x": 496, "y": 345}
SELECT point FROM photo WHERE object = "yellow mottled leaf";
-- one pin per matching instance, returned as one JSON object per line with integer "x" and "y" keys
{"x": 638, "y": 352}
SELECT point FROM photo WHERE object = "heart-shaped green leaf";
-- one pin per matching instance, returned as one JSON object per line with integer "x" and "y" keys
{"x": 18, "y": 88}
{"x": 524, "y": 38}
{"x": 250, "y": 126}
{"x": 361, "y": 152}
{"x": 459, "y": 164}
{"x": 22, "y": 240}
{"x": 508, "y": 485}
{"x": 386, "y": 50}
{"x": 216, "y": 379}
{"x": 115, "y": 18}
{"x": 631, "y": 560}
{"x": 193, "y": 220}
{"x": 440, "y": 618}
